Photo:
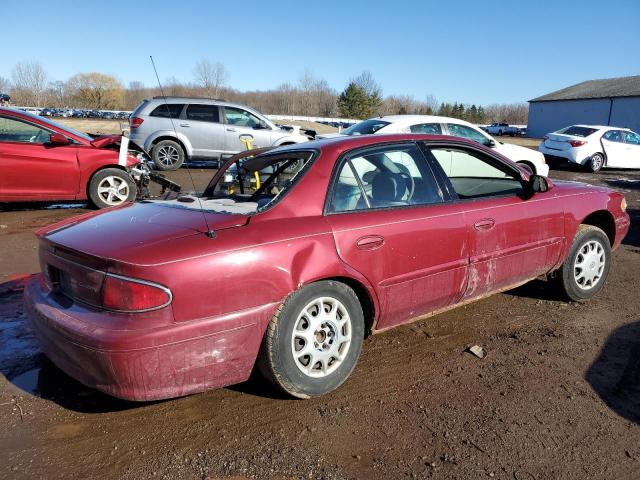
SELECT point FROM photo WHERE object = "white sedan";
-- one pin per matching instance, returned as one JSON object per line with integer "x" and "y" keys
{"x": 594, "y": 146}
{"x": 527, "y": 158}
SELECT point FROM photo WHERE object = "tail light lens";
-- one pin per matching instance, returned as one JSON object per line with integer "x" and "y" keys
{"x": 135, "y": 122}
{"x": 130, "y": 295}
{"x": 577, "y": 143}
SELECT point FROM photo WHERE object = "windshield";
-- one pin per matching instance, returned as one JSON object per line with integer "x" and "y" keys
{"x": 255, "y": 183}
{"x": 366, "y": 127}
{"x": 577, "y": 131}
{"x": 65, "y": 127}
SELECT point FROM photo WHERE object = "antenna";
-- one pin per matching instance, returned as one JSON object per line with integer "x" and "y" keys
{"x": 210, "y": 233}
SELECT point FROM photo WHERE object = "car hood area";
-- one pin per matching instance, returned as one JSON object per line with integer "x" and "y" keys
{"x": 122, "y": 233}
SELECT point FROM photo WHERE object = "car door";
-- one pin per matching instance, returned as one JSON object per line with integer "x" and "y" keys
{"x": 511, "y": 238}
{"x": 31, "y": 168}
{"x": 201, "y": 125}
{"x": 632, "y": 147}
{"x": 239, "y": 123}
{"x": 391, "y": 224}
{"x": 614, "y": 148}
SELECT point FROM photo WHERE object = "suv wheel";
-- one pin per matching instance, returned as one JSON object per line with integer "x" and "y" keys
{"x": 168, "y": 155}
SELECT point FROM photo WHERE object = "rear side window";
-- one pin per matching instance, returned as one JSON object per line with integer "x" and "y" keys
{"x": 577, "y": 131}
{"x": 429, "y": 128}
{"x": 366, "y": 127}
{"x": 384, "y": 177}
{"x": 613, "y": 136}
{"x": 167, "y": 110}
{"x": 203, "y": 113}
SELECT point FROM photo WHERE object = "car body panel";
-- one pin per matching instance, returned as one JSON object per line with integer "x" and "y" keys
{"x": 226, "y": 287}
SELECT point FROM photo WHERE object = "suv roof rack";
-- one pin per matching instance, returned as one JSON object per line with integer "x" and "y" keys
{"x": 189, "y": 97}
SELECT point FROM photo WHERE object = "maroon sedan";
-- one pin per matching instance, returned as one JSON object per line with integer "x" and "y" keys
{"x": 290, "y": 257}
{"x": 41, "y": 160}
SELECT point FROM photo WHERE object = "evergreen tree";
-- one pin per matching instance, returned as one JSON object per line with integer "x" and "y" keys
{"x": 354, "y": 102}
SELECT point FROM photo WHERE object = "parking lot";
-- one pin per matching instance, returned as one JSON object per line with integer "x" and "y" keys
{"x": 557, "y": 396}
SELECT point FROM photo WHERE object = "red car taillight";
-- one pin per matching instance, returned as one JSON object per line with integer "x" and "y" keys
{"x": 577, "y": 143}
{"x": 135, "y": 122}
{"x": 129, "y": 295}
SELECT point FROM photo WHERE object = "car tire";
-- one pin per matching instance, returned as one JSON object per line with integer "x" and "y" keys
{"x": 528, "y": 167}
{"x": 168, "y": 155}
{"x": 111, "y": 187}
{"x": 585, "y": 270}
{"x": 305, "y": 354}
{"x": 499, "y": 133}
{"x": 596, "y": 162}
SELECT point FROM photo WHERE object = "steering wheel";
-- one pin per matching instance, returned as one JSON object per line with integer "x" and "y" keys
{"x": 411, "y": 183}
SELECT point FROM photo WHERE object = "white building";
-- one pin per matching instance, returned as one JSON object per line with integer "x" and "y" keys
{"x": 612, "y": 101}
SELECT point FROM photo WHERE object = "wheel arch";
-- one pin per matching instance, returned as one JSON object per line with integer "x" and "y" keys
{"x": 96, "y": 171}
{"x": 603, "y": 219}
{"x": 529, "y": 164}
{"x": 364, "y": 297}
{"x": 186, "y": 148}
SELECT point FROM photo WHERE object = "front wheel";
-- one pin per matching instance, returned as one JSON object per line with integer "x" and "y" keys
{"x": 596, "y": 162}
{"x": 111, "y": 187}
{"x": 313, "y": 342}
{"x": 586, "y": 268}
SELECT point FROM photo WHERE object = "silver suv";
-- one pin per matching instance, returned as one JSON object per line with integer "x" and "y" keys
{"x": 173, "y": 129}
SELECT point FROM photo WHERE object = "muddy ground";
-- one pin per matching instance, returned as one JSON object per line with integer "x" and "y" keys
{"x": 557, "y": 396}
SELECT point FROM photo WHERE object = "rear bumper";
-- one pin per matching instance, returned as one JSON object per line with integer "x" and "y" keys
{"x": 150, "y": 364}
{"x": 572, "y": 155}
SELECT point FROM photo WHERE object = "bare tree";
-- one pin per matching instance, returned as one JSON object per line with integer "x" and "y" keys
{"x": 29, "y": 82}
{"x": 96, "y": 90}
{"x": 57, "y": 94}
{"x": 4, "y": 85}
{"x": 211, "y": 76}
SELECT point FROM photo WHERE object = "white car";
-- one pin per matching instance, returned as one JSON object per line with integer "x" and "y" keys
{"x": 594, "y": 146}
{"x": 531, "y": 160}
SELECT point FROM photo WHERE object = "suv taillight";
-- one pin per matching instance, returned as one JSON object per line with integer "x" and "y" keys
{"x": 577, "y": 143}
{"x": 124, "y": 294}
{"x": 135, "y": 122}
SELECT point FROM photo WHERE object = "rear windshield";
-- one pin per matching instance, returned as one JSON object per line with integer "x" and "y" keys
{"x": 366, "y": 128}
{"x": 167, "y": 110}
{"x": 577, "y": 131}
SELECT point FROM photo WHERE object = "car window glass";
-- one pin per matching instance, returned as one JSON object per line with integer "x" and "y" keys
{"x": 466, "y": 132}
{"x": 167, "y": 110}
{"x": 203, "y": 113}
{"x": 366, "y": 127}
{"x": 613, "y": 136}
{"x": 12, "y": 130}
{"x": 391, "y": 176}
{"x": 241, "y": 118}
{"x": 632, "y": 138}
{"x": 430, "y": 128}
{"x": 473, "y": 175}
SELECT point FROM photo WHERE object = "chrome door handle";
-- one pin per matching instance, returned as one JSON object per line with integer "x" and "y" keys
{"x": 185, "y": 125}
{"x": 484, "y": 224}
{"x": 370, "y": 242}
{"x": 231, "y": 130}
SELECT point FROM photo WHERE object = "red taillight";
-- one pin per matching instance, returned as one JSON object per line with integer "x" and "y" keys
{"x": 129, "y": 295}
{"x": 135, "y": 122}
{"x": 577, "y": 143}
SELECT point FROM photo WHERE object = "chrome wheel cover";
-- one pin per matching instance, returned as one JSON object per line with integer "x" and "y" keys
{"x": 596, "y": 161}
{"x": 113, "y": 190}
{"x": 589, "y": 264}
{"x": 321, "y": 337}
{"x": 168, "y": 155}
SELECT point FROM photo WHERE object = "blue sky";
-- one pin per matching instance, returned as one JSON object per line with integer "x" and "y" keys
{"x": 469, "y": 51}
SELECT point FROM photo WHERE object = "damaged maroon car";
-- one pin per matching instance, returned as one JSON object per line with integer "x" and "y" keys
{"x": 291, "y": 256}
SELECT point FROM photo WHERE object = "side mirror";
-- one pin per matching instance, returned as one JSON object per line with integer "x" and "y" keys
{"x": 537, "y": 184}
{"x": 58, "y": 139}
{"x": 491, "y": 143}
{"x": 260, "y": 126}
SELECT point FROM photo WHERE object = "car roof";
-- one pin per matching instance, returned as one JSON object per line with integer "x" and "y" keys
{"x": 411, "y": 119}
{"x": 205, "y": 100}
{"x": 601, "y": 127}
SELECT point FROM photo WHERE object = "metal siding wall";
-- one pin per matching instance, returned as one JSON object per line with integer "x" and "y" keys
{"x": 546, "y": 117}
{"x": 626, "y": 113}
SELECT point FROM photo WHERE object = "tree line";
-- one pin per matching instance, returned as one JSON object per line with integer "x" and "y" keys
{"x": 30, "y": 85}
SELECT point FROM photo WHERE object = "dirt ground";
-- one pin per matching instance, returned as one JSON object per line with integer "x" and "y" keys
{"x": 557, "y": 396}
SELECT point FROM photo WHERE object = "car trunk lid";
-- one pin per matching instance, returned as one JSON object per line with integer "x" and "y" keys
{"x": 559, "y": 141}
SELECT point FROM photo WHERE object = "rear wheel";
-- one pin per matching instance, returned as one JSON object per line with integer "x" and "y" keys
{"x": 313, "y": 342}
{"x": 168, "y": 155}
{"x": 596, "y": 162}
{"x": 528, "y": 167}
{"x": 111, "y": 187}
{"x": 586, "y": 268}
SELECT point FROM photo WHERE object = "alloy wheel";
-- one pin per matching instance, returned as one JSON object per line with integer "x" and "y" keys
{"x": 113, "y": 190}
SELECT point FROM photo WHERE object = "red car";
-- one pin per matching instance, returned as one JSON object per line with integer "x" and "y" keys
{"x": 291, "y": 256}
{"x": 41, "y": 160}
